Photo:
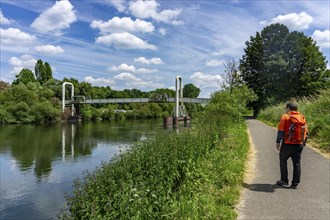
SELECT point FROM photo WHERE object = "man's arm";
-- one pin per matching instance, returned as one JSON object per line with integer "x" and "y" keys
{"x": 279, "y": 138}
{"x": 280, "y": 135}
{"x": 280, "y": 132}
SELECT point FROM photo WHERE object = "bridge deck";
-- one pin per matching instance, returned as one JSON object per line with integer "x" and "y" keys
{"x": 137, "y": 100}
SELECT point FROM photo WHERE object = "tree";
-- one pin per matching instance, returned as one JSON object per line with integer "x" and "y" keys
{"x": 43, "y": 71}
{"x": 231, "y": 75}
{"x": 25, "y": 76}
{"x": 133, "y": 93}
{"x": 4, "y": 85}
{"x": 56, "y": 86}
{"x": 278, "y": 65}
{"x": 26, "y": 103}
{"x": 190, "y": 91}
{"x": 251, "y": 67}
{"x": 85, "y": 89}
{"x": 170, "y": 92}
{"x": 48, "y": 72}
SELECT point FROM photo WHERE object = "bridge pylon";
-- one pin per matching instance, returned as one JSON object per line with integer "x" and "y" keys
{"x": 63, "y": 97}
{"x": 179, "y": 113}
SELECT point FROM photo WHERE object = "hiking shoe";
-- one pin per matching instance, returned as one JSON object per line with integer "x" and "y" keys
{"x": 282, "y": 183}
{"x": 294, "y": 186}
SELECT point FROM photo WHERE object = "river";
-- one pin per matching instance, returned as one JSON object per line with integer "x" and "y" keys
{"x": 39, "y": 163}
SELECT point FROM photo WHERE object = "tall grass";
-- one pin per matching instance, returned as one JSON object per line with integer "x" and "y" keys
{"x": 317, "y": 112}
{"x": 195, "y": 174}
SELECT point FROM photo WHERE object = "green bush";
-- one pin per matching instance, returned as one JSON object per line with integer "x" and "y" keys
{"x": 29, "y": 103}
{"x": 5, "y": 116}
{"x": 170, "y": 177}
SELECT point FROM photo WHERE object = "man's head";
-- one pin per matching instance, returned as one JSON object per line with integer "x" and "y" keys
{"x": 292, "y": 106}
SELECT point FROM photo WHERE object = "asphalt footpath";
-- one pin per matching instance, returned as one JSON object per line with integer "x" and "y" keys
{"x": 263, "y": 199}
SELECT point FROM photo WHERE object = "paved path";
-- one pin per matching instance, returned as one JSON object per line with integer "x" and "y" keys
{"x": 262, "y": 199}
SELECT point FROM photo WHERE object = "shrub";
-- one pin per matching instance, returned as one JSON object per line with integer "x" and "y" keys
{"x": 170, "y": 177}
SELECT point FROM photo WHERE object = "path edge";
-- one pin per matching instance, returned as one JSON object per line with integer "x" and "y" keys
{"x": 249, "y": 172}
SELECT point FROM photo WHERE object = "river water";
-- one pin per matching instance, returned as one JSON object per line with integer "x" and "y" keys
{"x": 39, "y": 163}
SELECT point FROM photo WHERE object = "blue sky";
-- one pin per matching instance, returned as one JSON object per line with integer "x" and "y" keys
{"x": 145, "y": 44}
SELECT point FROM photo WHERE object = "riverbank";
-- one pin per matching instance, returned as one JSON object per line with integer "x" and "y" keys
{"x": 194, "y": 174}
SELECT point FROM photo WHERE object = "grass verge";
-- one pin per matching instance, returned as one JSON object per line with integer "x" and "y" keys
{"x": 315, "y": 109}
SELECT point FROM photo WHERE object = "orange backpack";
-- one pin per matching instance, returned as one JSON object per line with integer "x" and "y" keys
{"x": 297, "y": 131}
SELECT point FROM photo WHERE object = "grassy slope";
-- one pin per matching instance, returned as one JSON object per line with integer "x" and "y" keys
{"x": 315, "y": 109}
{"x": 213, "y": 189}
{"x": 195, "y": 174}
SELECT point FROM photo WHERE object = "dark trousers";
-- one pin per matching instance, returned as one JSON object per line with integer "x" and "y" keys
{"x": 294, "y": 151}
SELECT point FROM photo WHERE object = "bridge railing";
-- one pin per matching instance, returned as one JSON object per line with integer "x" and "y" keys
{"x": 136, "y": 100}
{"x": 117, "y": 100}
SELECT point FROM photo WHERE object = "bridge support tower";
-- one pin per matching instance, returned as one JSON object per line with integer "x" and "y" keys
{"x": 63, "y": 98}
{"x": 179, "y": 113}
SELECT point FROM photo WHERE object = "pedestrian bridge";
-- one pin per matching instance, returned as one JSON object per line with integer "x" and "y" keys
{"x": 82, "y": 100}
{"x": 155, "y": 98}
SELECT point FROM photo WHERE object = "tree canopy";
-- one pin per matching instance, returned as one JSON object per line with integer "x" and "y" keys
{"x": 43, "y": 71}
{"x": 25, "y": 76}
{"x": 231, "y": 75}
{"x": 190, "y": 91}
{"x": 278, "y": 65}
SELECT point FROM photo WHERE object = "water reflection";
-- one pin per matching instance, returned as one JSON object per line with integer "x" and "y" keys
{"x": 35, "y": 147}
{"x": 39, "y": 163}
{"x": 32, "y": 147}
{"x": 64, "y": 131}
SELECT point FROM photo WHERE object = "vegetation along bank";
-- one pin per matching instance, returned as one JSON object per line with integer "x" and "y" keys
{"x": 194, "y": 174}
{"x": 316, "y": 110}
{"x": 38, "y": 100}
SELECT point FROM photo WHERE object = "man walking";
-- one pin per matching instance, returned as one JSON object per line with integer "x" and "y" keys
{"x": 290, "y": 141}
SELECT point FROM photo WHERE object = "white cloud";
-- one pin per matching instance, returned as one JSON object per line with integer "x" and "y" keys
{"x": 129, "y": 80}
{"x": 99, "y": 81}
{"x": 145, "y": 70}
{"x": 56, "y": 18}
{"x": 322, "y": 38}
{"x": 130, "y": 68}
{"x": 206, "y": 81}
{"x": 119, "y": 5}
{"x": 132, "y": 81}
{"x": 126, "y": 76}
{"x": 124, "y": 41}
{"x": 14, "y": 36}
{"x": 49, "y": 49}
{"x": 143, "y": 60}
{"x": 124, "y": 67}
{"x": 4, "y": 20}
{"x": 293, "y": 21}
{"x": 214, "y": 63}
{"x": 19, "y": 63}
{"x": 149, "y": 9}
{"x": 125, "y": 24}
{"x": 26, "y": 61}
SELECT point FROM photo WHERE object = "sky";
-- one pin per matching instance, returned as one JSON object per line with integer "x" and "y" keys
{"x": 145, "y": 44}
